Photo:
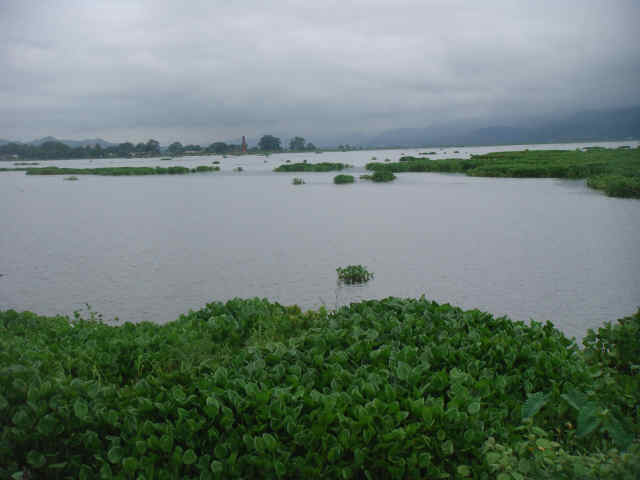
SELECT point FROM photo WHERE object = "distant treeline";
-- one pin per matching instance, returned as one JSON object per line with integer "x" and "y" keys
{"x": 615, "y": 171}
{"x": 51, "y": 150}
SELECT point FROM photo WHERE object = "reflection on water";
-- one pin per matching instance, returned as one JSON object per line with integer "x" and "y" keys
{"x": 150, "y": 248}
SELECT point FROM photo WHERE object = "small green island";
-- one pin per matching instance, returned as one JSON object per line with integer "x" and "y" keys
{"x": 353, "y": 274}
{"x": 342, "y": 179}
{"x": 392, "y": 388}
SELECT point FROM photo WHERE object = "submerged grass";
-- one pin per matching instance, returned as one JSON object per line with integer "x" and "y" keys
{"x": 387, "y": 388}
{"x": 615, "y": 171}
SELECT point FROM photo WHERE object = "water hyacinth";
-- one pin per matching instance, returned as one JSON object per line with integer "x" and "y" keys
{"x": 354, "y": 274}
{"x": 392, "y": 388}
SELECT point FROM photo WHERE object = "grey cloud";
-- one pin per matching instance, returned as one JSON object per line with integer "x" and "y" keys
{"x": 215, "y": 70}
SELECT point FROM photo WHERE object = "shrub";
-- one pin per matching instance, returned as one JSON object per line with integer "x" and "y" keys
{"x": 297, "y": 181}
{"x": 339, "y": 179}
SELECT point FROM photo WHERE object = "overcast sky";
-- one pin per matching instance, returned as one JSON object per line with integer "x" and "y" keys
{"x": 201, "y": 71}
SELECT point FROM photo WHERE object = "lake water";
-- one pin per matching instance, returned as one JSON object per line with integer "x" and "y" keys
{"x": 151, "y": 248}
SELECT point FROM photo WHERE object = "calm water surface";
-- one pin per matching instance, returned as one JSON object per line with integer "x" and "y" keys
{"x": 150, "y": 248}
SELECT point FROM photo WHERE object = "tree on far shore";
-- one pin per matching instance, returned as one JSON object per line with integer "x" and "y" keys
{"x": 269, "y": 143}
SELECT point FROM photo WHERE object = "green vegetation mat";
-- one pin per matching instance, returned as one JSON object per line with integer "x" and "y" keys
{"x": 340, "y": 179}
{"x": 311, "y": 167}
{"x": 354, "y": 274}
{"x": 615, "y": 171}
{"x": 120, "y": 170}
{"x": 379, "y": 389}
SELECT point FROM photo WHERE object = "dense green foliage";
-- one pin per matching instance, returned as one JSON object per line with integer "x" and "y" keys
{"x": 616, "y": 185}
{"x": 379, "y": 389}
{"x": 120, "y": 170}
{"x": 310, "y": 167}
{"x": 379, "y": 176}
{"x": 354, "y": 274}
{"x": 297, "y": 181}
{"x": 340, "y": 179}
{"x": 382, "y": 176}
{"x": 616, "y": 171}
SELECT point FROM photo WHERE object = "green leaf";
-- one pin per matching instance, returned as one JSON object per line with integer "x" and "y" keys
{"x": 216, "y": 466}
{"x": 473, "y": 408}
{"x": 588, "y": 420}
{"x": 130, "y": 464}
{"x": 447, "y": 447}
{"x": 533, "y": 404}
{"x": 189, "y": 457}
{"x": 115, "y": 454}
{"x": 464, "y": 471}
{"x": 403, "y": 371}
{"x": 621, "y": 437}
{"x": 270, "y": 442}
{"x": 280, "y": 469}
{"x": 22, "y": 419}
{"x": 575, "y": 398}
{"x": 166, "y": 443}
{"x": 141, "y": 447}
{"x": 47, "y": 425}
{"x": 3, "y": 402}
{"x": 106, "y": 472}
{"x": 221, "y": 452}
{"x": 36, "y": 459}
{"x": 81, "y": 409}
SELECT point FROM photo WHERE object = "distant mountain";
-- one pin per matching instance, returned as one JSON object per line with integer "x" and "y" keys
{"x": 618, "y": 124}
{"x": 74, "y": 143}
{"x": 4, "y": 142}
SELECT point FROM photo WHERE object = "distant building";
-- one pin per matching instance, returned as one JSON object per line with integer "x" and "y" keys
{"x": 244, "y": 144}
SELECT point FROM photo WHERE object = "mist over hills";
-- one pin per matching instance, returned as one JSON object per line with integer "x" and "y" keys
{"x": 618, "y": 124}
{"x": 71, "y": 143}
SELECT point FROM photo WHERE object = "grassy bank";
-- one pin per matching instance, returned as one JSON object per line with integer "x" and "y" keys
{"x": 115, "y": 171}
{"x": 615, "y": 171}
{"x": 380, "y": 389}
{"x": 311, "y": 167}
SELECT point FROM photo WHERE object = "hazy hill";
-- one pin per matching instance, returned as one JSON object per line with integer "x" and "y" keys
{"x": 74, "y": 143}
{"x": 616, "y": 124}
